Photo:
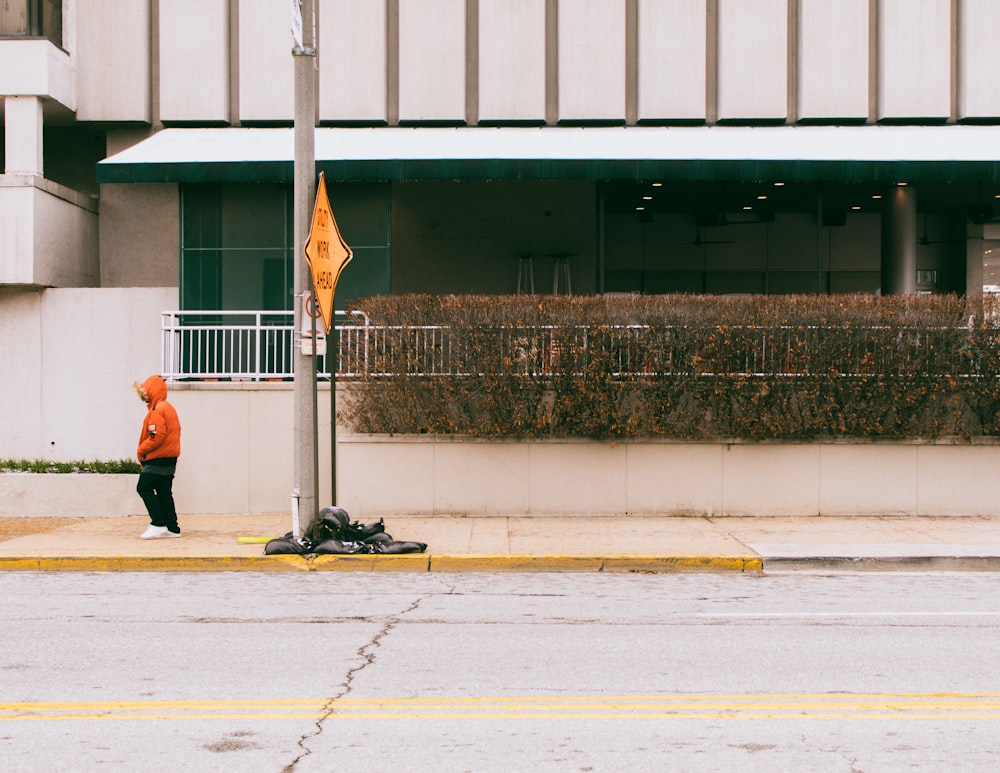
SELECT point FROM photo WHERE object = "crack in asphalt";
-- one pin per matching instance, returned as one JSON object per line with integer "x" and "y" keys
{"x": 367, "y": 654}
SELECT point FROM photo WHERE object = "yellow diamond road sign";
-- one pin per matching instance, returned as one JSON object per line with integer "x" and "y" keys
{"x": 326, "y": 253}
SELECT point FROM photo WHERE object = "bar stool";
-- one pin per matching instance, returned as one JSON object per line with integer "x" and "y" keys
{"x": 525, "y": 274}
{"x": 560, "y": 268}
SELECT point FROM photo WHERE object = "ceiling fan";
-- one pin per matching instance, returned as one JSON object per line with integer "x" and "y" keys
{"x": 923, "y": 241}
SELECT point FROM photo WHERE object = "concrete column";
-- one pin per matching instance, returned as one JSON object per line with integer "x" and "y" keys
{"x": 899, "y": 242}
{"x": 23, "y": 135}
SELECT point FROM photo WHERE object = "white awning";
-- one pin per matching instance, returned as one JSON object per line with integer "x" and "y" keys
{"x": 435, "y": 152}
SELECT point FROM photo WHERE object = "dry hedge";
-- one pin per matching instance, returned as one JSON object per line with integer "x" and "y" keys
{"x": 681, "y": 366}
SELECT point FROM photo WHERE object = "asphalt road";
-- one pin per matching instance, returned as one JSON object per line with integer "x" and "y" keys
{"x": 499, "y": 672}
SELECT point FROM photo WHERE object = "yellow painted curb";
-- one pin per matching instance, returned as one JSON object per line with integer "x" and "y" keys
{"x": 368, "y": 562}
{"x": 409, "y": 562}
{"x": 522, "y": 563}
{"x": 683, "y": 564}
{"x": 278, "y": 563}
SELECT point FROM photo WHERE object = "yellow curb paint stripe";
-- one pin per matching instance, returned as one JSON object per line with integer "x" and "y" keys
{"x": 410, "y": 562}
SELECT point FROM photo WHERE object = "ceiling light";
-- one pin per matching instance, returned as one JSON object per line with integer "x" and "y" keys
{"x": 856, "y": 207}
{"x": 747, "y": 207}
{"x": 762, "y": 198}
{"x": 877, "y": 196}
{"x": 640, "y": 209}
{"x": 657, "y": 185}
{"x": 779, "y": 184}
{"x": 902, "y": 183}
{"x": 647, "y": 198}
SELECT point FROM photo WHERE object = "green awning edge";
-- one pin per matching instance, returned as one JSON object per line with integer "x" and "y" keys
{"x": 556, "y": 169}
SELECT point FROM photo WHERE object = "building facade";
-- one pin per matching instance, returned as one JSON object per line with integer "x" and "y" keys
{"x": 470, "y": 146}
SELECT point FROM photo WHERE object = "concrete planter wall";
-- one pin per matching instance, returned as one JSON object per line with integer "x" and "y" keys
{"x": 68, "y": 495}
{"x": 426, "y": 475}
{"x": 383, "y": 475}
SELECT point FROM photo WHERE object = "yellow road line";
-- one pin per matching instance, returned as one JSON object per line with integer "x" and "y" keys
{"x": 954, "y": 706}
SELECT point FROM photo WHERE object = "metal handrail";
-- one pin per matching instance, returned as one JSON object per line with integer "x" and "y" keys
{"x": 256, "y": 345}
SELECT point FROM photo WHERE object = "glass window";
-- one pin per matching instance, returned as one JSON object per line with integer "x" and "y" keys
{"x": 237, "y": 251}
{"x": 32, "y": 18}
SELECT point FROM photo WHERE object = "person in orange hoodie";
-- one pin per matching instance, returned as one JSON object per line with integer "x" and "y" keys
{"x": 159, "y": 448}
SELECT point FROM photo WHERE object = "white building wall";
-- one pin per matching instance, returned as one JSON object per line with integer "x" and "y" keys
{"x": 833, "y": 59}
{"x": 71, "y": 356}
{"x": 113, "y": 60}
{"x": 914, "y": 63}
{"x": 753, "y": 59}
{"x": 194, "y": 60}
{"x": 591, "y": 60}
{"x": 431, "y": 60}
{"x": 267, "y": 69}
{"x": 352, "y": 61}
{"x": 978, "y": 81}
{"x": 672, "y": 58}
{"x": 512, "y": 60}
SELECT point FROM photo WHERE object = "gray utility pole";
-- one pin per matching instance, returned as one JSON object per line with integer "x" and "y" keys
{"x": 304, "y": 405}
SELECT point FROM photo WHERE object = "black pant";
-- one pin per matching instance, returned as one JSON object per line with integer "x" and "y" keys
{"x": 157, "y": 494}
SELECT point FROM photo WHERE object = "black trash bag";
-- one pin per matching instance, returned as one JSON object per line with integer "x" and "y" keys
{"x": 336, "y": 517}
{"x": 329, "y": 524}
{"x": 288, "y": 545}
{"x": 363, "y": 532}
{"x": 333, "y": 546}
{"x": 380, "y": 537}
{"x": 389, "y": 548}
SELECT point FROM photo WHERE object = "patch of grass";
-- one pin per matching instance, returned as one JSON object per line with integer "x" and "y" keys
{"x": 113, "y": 467}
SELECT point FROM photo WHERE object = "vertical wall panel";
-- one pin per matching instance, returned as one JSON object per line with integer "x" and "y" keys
{"x": 914, "y": 65}
{"x": 432, "y": 60}
{"x": 833, "y": 59}
{"x": 511, "y": 60}
{"x": 753, "y": 59}
{"x": 672, "y": 59}
{"x": 592, "y": 60}
{"x": 194, "y": 60}
{"x": 113, "y": 49}
{"x": 352, "y": 60}
{"x": 979, "y": 62}
{"x": 267, "y": 69}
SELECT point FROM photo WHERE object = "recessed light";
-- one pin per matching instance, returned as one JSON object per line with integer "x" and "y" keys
{"x": 902, "y": 183}
{"x": 748, "y": 207}
{"x": 855, "y": 207}
{"x": 657, "y": 185}
{"x": 877, "y": 196}
{"x": 779, "y": 184}
{"x": 647, "y": 198}
{"x": 640, "y": 209}
{"x": 762, "y": 198}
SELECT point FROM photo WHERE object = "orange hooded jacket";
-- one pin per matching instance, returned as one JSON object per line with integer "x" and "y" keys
{"x": 160, "y": 437}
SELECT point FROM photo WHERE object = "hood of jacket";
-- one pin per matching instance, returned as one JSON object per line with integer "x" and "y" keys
{"x": 155, "y": 388}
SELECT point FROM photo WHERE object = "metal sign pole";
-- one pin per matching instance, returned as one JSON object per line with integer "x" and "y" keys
{"x": 304, "y": 193}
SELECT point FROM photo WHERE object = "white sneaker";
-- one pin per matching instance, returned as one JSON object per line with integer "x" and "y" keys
{"x": 158, "y": 532}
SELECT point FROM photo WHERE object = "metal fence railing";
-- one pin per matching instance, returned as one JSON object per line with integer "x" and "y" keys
{"x": 255, "y": 346}
{"x": 249, "y": 345}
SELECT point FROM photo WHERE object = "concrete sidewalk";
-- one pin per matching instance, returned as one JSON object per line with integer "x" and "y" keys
{"x": 534, "y": 543}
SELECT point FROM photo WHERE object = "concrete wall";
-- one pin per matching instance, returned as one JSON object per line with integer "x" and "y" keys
{"x": 237, "y": 459}
{"x": 194, "y": 60}
{"x": 139, "y": 234}
{"x": 113, "y": 49}
{"x": 720, "y": 479}
{"x": 732, "y": 59}
{"x": 48, "y": 234}
{"x": 432, "y": 60}
{"x": 70, "y": 357}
